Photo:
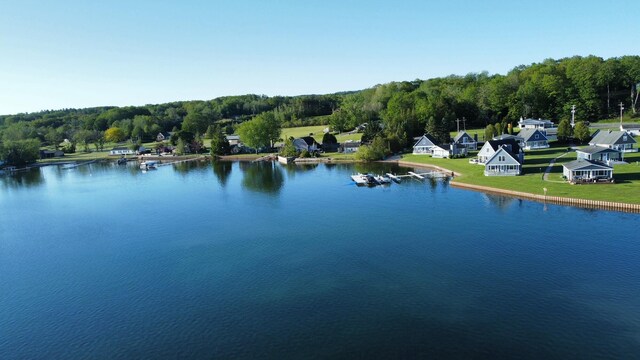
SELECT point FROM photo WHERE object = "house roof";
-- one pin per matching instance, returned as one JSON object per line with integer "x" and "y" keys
{"x": 583, "y": 164}
{"x": 531, "y": 121}
{"x": 611, "y": 138}
{"x": 426, "y": 140}
{"x": 529, "y": 134}
{"x": 501, "y": 151}
{"x": 309, "y": 140}
{"x": 351, "y": 144}
{"x": 496, "y": 144}
{"x": 593, "y": 149}
{"x": 508, "y": 136}
{"x": 233, "y": 137}
{"x": 461, "y": 135}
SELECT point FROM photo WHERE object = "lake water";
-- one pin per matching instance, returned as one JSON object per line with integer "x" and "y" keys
{"x": 241, "y": 260}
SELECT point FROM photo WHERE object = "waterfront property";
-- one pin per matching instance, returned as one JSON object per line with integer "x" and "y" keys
{"x": 533, "y": 139}
{"x": 48, "y": 154}
{"x": 599, "y": 153}
{"x": 547, "y": 127}
{"x": 307, "y": 143}
{"x": 464, "y": 139}
{"x": 163, "y": 136}
{"x": 448, "y": 150}
{"x": 425, "y": 145}
{"x": 233, "y": 139}
{"x": 619, "y": 140}
{"x": 582, "y": 170}
{"x": 503, "y": 163}
{"x": 491, "y": 147}
{"x": 349, "y": 147}
{"x": 121, "y": 150}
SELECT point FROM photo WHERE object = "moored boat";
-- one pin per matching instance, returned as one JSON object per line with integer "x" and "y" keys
{"x": 147, "y": 165}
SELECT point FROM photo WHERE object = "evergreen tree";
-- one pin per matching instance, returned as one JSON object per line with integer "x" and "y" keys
{"x": 564, "y": 130}
{"x": 489, "y": 132}
{"x": 219, "y": 143}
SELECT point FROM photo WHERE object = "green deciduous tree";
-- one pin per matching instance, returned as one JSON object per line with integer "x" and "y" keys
{"x": 261, "y": 131}
{"x": 20, "y": 152}
{"x": 564, "y": 130}
{"x": 114, "y": 134}
{"x": 489, "y": 132}
{"x": 581, "y": 132}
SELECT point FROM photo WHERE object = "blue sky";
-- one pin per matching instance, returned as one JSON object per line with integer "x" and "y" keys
{"x": 63, "y": 54}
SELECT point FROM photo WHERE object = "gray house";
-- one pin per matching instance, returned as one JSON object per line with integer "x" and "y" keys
{"x": 425, "y": 145}
{"x": 587, "y": 170}
{"x": 534, "y": 139}
{"x": 503, "y": 163}
{"x": 121, "y": 150}
{"x": 464, "y": 139}
{"x": 517, "y": 138}
{"x": 619, "y": 140}
{"x": 599, "y": 153}
{"x": 490, "y": 147}
{"x": 306, "y": 143}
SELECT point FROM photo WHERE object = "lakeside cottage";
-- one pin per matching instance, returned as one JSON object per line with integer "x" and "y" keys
{"x": 233, "y": 139}
{"x": 464, "y": 139}
{"x": 619, "y": 140}
{"x": 306, "y": 143}
{"x": 162, "y": 136}
{"x": 349, "y": 146}
{"x": 533, "y": 139}
{"x": 491, "y": 147}
{"x": 48, "y": 154}
{"x": 599, "y": 153}
{"x": 121, "y": 150}
{"x": 449, "y": 150}
{"x": 547, "y": 127}
{"x": 503, "y": 163}
{"x": 425, "y": 145}
{"x": 587, "y": 170}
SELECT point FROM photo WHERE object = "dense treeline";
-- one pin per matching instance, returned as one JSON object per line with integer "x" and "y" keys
{"x": 398, "y": 110}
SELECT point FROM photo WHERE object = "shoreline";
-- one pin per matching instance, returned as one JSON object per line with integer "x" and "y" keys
{"x": 582, "y": 203}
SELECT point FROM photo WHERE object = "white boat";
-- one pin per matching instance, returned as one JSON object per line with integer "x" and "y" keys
{"x": 150, "y": 164}
{"x": 383, "y": 179}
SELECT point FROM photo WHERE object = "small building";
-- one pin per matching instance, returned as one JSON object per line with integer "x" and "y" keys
{"x": 233, "y": 139}
{"x": 599, "y": 153}
{"x": 163, "y": 136}
{"x": 582, "y": 170}
{"x": 330, "y": 147}
{"x": 619, "y": 140}
{"x": 533, "y": 139}
{"x": 540, "y": 124}
{"x": 491, "y": 147}
{"x": 121, "y": 150}
{"x": 425, "y": 145}
{"x": 307, "y": 143}
{"x": 449, "y": 150}
{"x": 464, "y": 139}
{"x": 633, "y": 129}
{"x": 503, "y": 163}
{"x": 349, "y": 146}
{"x": 49, "y": 154}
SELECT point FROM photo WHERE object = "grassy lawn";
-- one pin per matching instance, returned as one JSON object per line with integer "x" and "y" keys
{"x": 317, "y": 133}
{"x": 626, "y": 189}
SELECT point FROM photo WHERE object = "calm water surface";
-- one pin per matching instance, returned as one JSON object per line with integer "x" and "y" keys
{"x": 240, "y": 260}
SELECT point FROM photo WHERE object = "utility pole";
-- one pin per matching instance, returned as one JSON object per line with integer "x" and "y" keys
{"x": 573, "y": 116}
{"x": 464, "y": 123}
{"x": 621, "y": 110}
{"x": 458, "y": 123}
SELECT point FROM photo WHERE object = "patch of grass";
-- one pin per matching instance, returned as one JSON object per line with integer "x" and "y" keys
{"x": 626, "y": 189}
{"x": 317, "y": 133}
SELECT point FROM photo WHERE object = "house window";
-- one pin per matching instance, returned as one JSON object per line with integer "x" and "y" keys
{"x": 536, "y": 137}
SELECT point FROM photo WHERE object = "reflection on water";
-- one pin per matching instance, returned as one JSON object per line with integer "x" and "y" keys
{"x": 222, "y": 170}
{"x": 28, "y": 178}
{"x": 264, "y": 177}
{"x": 499, "y": 201}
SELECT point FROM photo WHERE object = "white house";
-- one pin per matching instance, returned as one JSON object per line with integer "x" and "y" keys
{"x": 533, "y": 139}
{"x": 503, "y": 163}
{"x": 350, "y": 146}
{"x": 490, "y": 147}
{"x": 425, "y": 145}
{"x": 586, "y": 170}
{"x": 619, "y": 140}
{"x": 464, "y": 139}
{"x": 121, "y": 150}
{"x": 448, "y": 150}
{"x": 233, "y": 139}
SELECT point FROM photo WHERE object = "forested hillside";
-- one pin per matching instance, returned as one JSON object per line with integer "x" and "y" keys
{"x": 400, "y": 109}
